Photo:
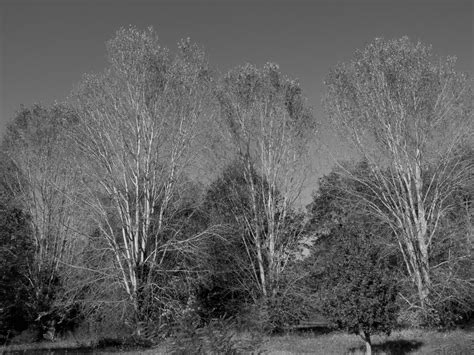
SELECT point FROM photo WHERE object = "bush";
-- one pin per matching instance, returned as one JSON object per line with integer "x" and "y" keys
{"x": 294, "y": 301}
{"x": 219, "y": 336}
{"x": 218, "y": 299}
{"x": 361, "y": 291}
{"x": 191, "y": 335}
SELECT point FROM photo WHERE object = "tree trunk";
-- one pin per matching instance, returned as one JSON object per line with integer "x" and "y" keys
{"x": 419, "y": 265}
{"x": 421, "y": 228}
{"x": 414, "y": 238}
{"x": 423, "y": 283}
{"x": 368, "y": 343}
{"x": 368, "y": 348}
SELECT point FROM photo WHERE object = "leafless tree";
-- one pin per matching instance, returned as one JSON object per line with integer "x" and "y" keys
{"x": 139, "y": 122}
{"x": 266, "y": 126}
{"x": 409, "y": 116}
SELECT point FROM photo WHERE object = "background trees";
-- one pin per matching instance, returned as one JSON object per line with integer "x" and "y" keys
{"x": 409, "y": 117}
{"x": 40, "y": 181}
{"x": 16, "y": 251}
{"x": 451, "y": 257}
{"x": 138, "y": 124}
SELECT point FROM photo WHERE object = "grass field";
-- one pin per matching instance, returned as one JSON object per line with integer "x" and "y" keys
{"x": 458, "y": 342}
{"x": 400, "y": 342}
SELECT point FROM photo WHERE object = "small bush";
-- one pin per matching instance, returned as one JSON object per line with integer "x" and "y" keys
{"x": 218, "y": 336}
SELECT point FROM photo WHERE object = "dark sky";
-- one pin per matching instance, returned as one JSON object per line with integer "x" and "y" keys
{"x": 46, "y": 46}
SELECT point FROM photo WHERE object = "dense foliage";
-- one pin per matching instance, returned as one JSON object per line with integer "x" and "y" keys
{"x": 15, "y": 252}
{"x": 361, "y": 290}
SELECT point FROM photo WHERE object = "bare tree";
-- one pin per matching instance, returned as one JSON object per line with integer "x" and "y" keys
{"x": 266, "y": 125}
{"x": 409, "y": 117}
{"x": 137, "y": 133}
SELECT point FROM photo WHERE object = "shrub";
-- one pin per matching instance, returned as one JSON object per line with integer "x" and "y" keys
{"x": 217, "y": 336}
{"x": 361, "y": 291}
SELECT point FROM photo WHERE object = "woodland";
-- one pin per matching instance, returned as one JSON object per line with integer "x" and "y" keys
{"x": 162, "y": 201}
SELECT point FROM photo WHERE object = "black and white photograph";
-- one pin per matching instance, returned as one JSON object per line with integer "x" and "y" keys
{"x": 236, "y": 177}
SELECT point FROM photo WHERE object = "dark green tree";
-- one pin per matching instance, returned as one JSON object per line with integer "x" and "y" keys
{"x": 361, "y": 289}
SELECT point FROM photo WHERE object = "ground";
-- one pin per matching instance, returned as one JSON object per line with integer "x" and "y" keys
{"x": 460, "y": 342}
{"x": 400, "y": 342}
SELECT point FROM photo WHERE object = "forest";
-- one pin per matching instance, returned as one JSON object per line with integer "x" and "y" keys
{"x": 162, "y": 201}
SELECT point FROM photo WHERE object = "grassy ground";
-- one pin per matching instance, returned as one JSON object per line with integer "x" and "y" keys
{"x": 458, "y": 342}
{"x": 400, "y": 342}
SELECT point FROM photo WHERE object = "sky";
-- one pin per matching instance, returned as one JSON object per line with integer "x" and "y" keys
{"x": 47, "y": 45}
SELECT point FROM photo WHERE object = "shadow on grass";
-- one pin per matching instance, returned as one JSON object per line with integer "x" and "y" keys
{"x": 107, "y": 344}
{"x": 391, "y": 347}
{"x": 307, "y": 330}
{"x": 52, "y": 351}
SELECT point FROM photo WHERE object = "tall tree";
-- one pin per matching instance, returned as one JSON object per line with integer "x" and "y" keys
{"x": 409, "y": 117}
{"x": 266, "y": 125}
{"x": 139, "y": 122}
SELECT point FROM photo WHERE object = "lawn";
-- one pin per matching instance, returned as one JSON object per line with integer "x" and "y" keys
{"x": 457, "y": 342}
{"x": 400, "y": 342}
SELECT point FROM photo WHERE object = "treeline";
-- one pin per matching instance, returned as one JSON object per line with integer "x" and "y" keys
{"x": 163, "y": 196}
